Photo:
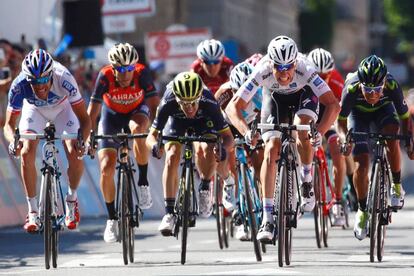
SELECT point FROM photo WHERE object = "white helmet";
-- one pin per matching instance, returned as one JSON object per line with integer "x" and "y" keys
{"x": 282, "y": 50}
{"x": 38, "y": 63}
{"x": 240, "y": 74}
{"x": 210, "y": 50}
{"x": 322, "y": 60}
{"x": 122, "y": 54}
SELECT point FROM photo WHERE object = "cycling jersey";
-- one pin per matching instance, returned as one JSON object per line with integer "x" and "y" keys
{"x": 262, "y": 76}
{"x": 208, "y": 112}
{"x": 353, "y": 99}
{"x": 213, "y": 84}
{"x": 64, "y": 87}
{"x": 123, "y": 99}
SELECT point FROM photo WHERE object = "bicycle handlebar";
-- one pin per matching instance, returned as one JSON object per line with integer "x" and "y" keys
{"x": 183, "y": 139}
{"x": 283, "y": 127}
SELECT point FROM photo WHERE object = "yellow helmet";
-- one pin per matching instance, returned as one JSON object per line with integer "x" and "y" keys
{"x": 187, "y": 86}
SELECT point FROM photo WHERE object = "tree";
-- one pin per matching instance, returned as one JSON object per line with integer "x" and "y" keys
{"x": 399, "y": 16}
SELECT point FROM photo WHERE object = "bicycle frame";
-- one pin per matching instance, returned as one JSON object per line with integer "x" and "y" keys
{"x": 320, "y": 160}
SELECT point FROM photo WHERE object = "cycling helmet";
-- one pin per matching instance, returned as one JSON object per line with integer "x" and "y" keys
{"x": 254, "y": 59}
{"x": 322, "y": 60}
{"x": 372, "y": 71}
{"x": 282, "y": 50}
{"x": 187, "y": 86}
{"x": 210, "y": 50}
{"x": 122, "y": 54}
{"x": 239, "y": 74}
{"x": 38, "y": 63}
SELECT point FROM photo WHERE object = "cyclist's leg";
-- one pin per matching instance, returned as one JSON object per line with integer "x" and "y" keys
{"x": 307, "y": 112}
{"x": 390, "y": 125}
{"x": 31, "y": 121}
{"x": 139, "y": 124}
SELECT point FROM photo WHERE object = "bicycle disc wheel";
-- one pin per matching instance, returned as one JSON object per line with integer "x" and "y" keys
{"x": 373, "y": 209}
{"x": 250, "y": 213}
{"x": 218, "y": 210}
{"x": 47, "y": 216}
{"x": 123, "y": 218}
{"x": 281, "y": 219}
{"x": 318, "y": 210}
{"x": 186, "y": 205}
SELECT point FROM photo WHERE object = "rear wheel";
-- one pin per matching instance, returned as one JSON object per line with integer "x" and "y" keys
{"x": 47, "y": 216}
{"x": 318, "y": 210}
{"x": 373, "y": 209}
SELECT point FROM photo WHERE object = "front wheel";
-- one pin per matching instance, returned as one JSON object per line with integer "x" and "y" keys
{"x": 281, "y": 218}
{"x": 124, "y": 216}
{"x": 373, "y": 209}
{"x": 187, "y": 190}
{"x": 318, "y": 210}
{"x": 218, "y": 210}
{"x": 47, "y": 217}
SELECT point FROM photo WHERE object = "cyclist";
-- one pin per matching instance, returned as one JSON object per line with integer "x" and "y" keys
{"x": 212, "y": 65}
{"x": 323, "y": 63}
{"x": 214, "y": 69}
{"x": 287, "y": 80}
{"x": 372, "y": 96}
{"x": 126, "y": 94}
{"x": 238, "y": 76}
{"x": 46, "y": 91}
{"x": 187, "y": 104}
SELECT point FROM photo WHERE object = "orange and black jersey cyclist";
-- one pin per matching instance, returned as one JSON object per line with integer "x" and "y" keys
{"x": 123, "y": 100}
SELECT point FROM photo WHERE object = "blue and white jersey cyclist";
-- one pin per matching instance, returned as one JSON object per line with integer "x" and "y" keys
{"x": 46, "y": 91}
{"x": 287, "y": 79}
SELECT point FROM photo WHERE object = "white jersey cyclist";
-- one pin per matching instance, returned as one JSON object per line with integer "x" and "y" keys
{"x": 262, "y": 76}
{"x": 36, "y": 112}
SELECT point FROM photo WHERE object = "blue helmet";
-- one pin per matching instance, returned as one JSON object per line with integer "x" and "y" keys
{"x": 38, "y": 63}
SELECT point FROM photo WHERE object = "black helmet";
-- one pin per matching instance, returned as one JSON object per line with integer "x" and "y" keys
{"x": 372, "y": 71}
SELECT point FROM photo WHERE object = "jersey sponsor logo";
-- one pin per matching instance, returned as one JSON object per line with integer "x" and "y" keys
{"x": 275, "y": 86}
{"x": 254, "y": 81}
{"x": 249, "y": 86}
{"x": 300, "y": 73}
{"x": 70, "y": 88}
{"x": 125, "y": 98}
{"x": 293, "y": 85}
{"x": 266, "y": 76}
{"x": 305, "y": 102}
{"x": 317, "y": 81}
{"x": 70, "y": 123}
{"x": 311, "y": 77}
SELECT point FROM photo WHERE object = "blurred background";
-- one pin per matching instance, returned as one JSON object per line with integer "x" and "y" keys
{"x": 166, "y": 32}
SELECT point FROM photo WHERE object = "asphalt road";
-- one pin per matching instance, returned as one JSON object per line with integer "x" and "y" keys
{"x": 83, "y": 252}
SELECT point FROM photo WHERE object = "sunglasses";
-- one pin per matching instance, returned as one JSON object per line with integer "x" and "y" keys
{"x": 369, "y": 89}
{"x": 123, "y": 69}
{"x": 210, "y": 62}
{"x": 284, "y": 67}
{"x": 42, "y": 80}
{"x": 188, "y": 103}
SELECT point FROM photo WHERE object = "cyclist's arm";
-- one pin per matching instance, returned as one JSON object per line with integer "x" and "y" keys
{"x": 332, "y": 109}
{"x": 94, "y": 110}
{"x": 152, "y": 99}
{"x": 10, "y": 125}
{"x": 84, "y": 119}
{"x": 400, "y": 104}
{"x": 228, "y": 139}
{"x": 152, "y": 138}
{"x": 152, "y": 103}
{"x": 234, "y": 112}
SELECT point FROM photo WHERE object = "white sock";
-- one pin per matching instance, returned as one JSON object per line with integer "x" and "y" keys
{"x": 306, "y": 174}
{"x": 229, "y": 181}
{"x": 267, "y": 210}
{"x": 72, "y": 194}
{"x": 32, "y": 204}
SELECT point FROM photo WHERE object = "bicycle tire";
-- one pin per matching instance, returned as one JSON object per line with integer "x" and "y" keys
{"x": 318, "y": 210}
{"x": 186, "y": 205}
{"x": 382, "y": 226}
{"x": 288, "y": 245}
{"x": 373, "y": 210}
{"x": 218, "y": 210}
{"x": 47, "y": 216}
{"x": 325, "y": 229}
{"x": 250, "y": 213}
{"x": 55, "y": 249}
{"x": 131, "y": 231}
{"x": 123, "y": 218}
{"x": 225, "y": 230}
{"x": 281, "y": 220}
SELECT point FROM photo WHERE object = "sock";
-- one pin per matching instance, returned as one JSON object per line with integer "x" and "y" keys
{"x": 267, "y": 210}
{"x": 363, "y": 204}
{"x": 229, "y": 181}
{"x": 306, "y": 173}
{"x": 111, "y": 210}
{"x": 396, "y": 177}
{"x": 204, "y": 185}
{"x": 72, "y": 194}
{"x": 169, "y": 205}
{"x": 32, "y": 204}
{"x": 351, "y": 180}
{"x": 143, "y": 169}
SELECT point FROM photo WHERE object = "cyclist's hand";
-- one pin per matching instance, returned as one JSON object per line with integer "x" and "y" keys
{"x": 157, "y": 151}
{"x": 250, "y": 139}
{"x": 14, "y": 148}
{"x": 80, "y": 148}
{"x": 315, "y": 139}
{"x": 220, "y": 153}
{"x": 346, "y": 148}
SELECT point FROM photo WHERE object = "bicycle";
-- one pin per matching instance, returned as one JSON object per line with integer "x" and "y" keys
{"x": 127, "y": 201}
{"x": 52, "y": 207}
{"x": 324, "y": 203}
{"x": 186, "y": 210}
{"x": 379, "y": 210}
{"x": 223, "y": 221}
{"x": 250, "y": 208}
{"x": 286, "y": 198}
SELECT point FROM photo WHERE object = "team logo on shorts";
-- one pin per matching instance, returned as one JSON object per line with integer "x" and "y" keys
{"x": 70, "y": 123}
